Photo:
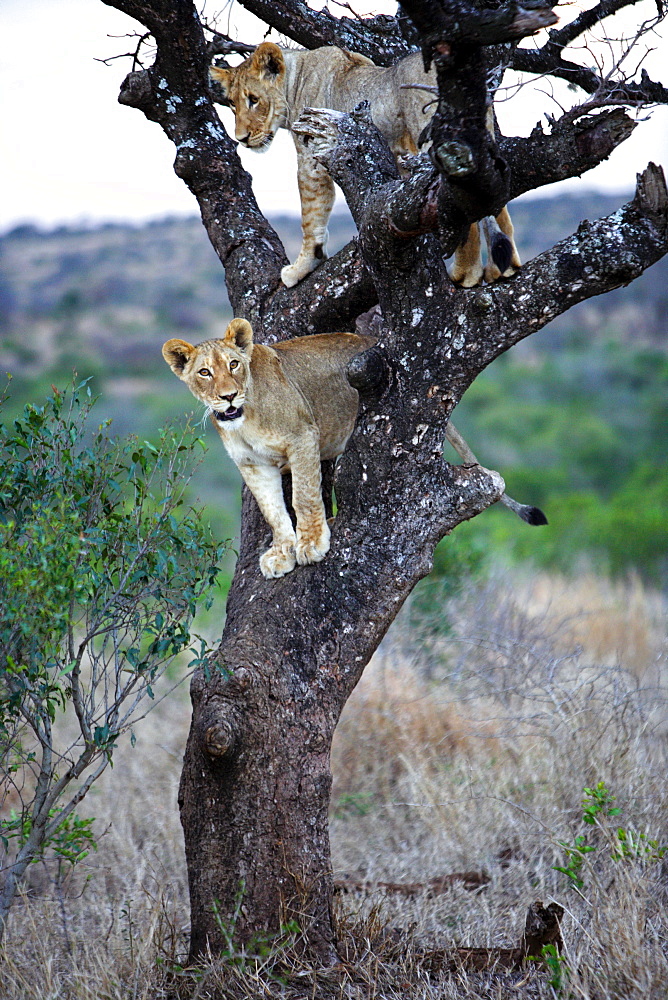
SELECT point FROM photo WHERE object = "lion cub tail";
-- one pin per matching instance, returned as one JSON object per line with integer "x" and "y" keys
{"x": 532, "y": 515}
{"x": 500, "y": 248}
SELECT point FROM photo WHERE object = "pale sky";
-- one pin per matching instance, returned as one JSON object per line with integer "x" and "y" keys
{"x": 70, "y": 154}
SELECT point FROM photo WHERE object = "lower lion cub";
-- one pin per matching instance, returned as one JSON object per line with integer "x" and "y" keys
{"x": 277, "y": 409}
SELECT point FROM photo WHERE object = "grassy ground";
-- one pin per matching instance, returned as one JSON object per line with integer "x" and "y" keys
{"x": 466, "y": 747}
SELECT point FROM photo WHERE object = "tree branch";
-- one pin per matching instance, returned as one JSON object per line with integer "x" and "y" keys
{"x": 599, "y": 257}
{"x": 587, "y": 19}
{"x": 569, "y": 149}
{"x": 460, "y": 23}
{"x": 545, "y": 63}
{"x": 378, "y": 38}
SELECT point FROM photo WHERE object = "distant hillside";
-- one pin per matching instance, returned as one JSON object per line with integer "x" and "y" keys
{"x": 111, "y": 295}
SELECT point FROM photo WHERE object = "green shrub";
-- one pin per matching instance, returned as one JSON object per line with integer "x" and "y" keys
{"x": 102, "y": 568}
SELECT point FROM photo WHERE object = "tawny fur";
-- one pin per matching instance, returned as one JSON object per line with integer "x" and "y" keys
{"x": 271, "y": 88}
{"x": 277, "y": 409}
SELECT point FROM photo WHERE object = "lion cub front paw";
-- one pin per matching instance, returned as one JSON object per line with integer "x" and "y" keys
{"x": 278, "y": 560}
{"x": 312, "y": 549}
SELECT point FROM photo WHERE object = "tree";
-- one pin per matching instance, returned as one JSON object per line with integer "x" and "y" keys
{"x": 256, "y": 779}
{"x": 101, "y": 572}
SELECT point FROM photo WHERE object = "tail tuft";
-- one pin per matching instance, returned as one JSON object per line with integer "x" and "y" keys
{"x": 532, "y": 515}
{"x": 501, "y": 251}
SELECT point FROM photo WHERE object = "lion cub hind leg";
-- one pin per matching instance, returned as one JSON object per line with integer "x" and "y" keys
{"x": 264, "y": 482}
{"x": 313, "y": 539}
{"x": 503, "y": 258}
{"x": 316, "y": 191}
{"x": 466, "y": 269}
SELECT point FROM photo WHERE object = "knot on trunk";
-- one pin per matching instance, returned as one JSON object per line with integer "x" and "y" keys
{"x": 218, "y": 725}
{"x": 369, "y": 372}
{"x": 219, "y": 741}
{"x": 454, "y": 159}
{"x": 136, "y": 90}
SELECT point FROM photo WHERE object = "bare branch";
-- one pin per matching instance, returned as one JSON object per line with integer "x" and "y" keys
{"x": 613, "y": 86}
{"x": 136, "y": 61}
{"x": 562, "y": 37}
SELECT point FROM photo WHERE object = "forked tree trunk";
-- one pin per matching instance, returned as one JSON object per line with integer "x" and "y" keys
{"x": 256, "y": 780}
{"x": 255, "y": 787}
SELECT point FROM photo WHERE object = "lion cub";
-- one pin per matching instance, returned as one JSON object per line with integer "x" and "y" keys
{"x": 277, "y": 409}
{"x": 270, "y": 90}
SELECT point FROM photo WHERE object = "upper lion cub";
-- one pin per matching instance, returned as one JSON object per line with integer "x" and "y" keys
{"x": 271, "y": 88}
{"x": 277, "y": 409}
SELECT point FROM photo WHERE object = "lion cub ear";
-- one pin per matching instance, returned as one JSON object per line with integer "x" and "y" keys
{"x": 223, "y": 77}
{"x": 239, "y": 334}
{"x": 267, "y": 61}
{"x": 177, "y": 353}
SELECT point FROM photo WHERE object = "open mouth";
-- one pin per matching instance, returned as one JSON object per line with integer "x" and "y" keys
{"x": 231, "y": 413}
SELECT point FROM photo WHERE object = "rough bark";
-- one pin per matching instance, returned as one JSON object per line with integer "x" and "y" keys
{"x": 255, "y": 788}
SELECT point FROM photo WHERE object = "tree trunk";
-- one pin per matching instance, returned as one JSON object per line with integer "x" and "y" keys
{"x": 254, "y": 807}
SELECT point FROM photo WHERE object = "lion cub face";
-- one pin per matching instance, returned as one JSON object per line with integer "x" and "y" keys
{"x": 217, "y": 372}
{"x": 255, "y": 89}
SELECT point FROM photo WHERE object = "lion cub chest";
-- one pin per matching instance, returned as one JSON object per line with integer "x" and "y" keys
{"x": 251, "y": 445}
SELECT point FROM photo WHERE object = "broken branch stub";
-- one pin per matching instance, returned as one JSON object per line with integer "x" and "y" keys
{"x": 651, "y": 196}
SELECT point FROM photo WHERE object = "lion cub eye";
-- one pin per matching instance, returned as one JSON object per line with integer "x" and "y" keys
{"x": 204, "y": 372}
{"x": 233, "y": 364}
{"x": 252, "y": 101}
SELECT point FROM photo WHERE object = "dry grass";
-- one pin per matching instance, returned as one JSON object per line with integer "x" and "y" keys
{"x": 613, "y": 622}
{"x": 468, "y": 752}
